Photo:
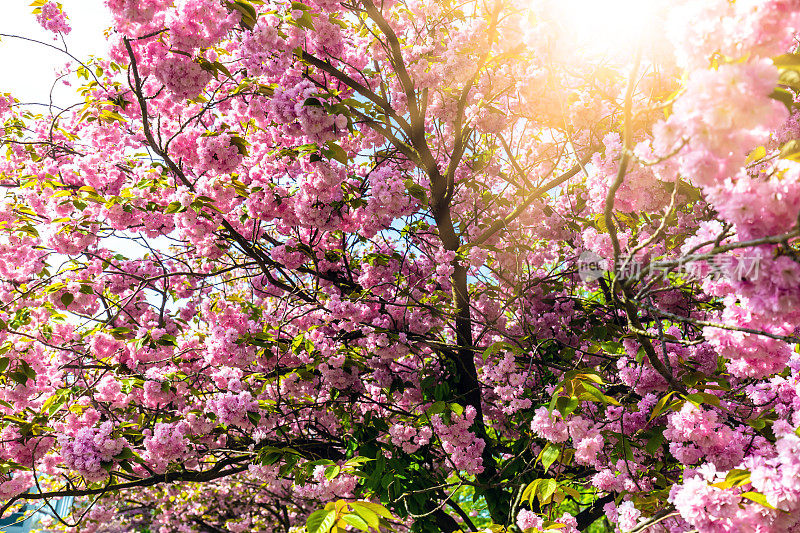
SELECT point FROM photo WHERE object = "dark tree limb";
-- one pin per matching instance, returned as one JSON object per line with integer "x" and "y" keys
{"x": 588, "y": 516}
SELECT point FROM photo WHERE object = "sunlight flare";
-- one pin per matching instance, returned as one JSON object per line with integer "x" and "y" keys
{"x": 609, "y": 29}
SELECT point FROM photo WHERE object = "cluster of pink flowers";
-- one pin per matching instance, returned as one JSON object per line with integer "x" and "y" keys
{"x": 52, "y": 18}
{"x": 218, "y": 153}
{"x": 778, "y": 477}
{"x": 11, "y": 486}
{"x": 509, "y": 384}
{"x": 109, "y": 389}
{"x": 6, "y": 106}
{"x": 69, "y": 239}
{"x": 724, "y": 114}
{"x": 387, "y": 201}
{"x": 549, "y": 426}
{"x": 530, "y": 522}
{"x": 183, "y": 76}
{"x": 29, "y": 259}
{"x": 165, "y": 443}
{"x": 640, "y": 191}
{"x": 625, "y": 515}
{"x": 342, "y": 486}
{"x": 462, "y": 446}
{"x": 135, "y": 11}
{"x": 88, "y": 450}
{"x": 199, "y": 23}
{"x": 707, "y": 504}
{"x": 585, "y": 434}
{"x": 258, "y": 46}
{"x": 231, "y": 408}
{"x": 410, "y": 438}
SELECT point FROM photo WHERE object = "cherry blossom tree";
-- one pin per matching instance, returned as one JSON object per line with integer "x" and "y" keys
{"x": 408, "y": 264}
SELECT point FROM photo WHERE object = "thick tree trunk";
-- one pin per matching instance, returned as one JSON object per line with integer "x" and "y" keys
{"x": 465, "y": 381}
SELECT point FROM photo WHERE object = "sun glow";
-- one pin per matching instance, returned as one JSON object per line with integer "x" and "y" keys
{"x": 610, "y": 29}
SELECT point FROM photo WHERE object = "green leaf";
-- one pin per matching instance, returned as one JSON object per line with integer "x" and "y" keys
{"x": 19, "y": 377}
{"x": 592, "y": 392}
{"x": 791, "y": 150}
{"x": 356, "y": 521}
{"x": 120, "y": 333}
{"x": 173, "y": 207}
{"x": 758, "y": 498}
{"x": 336, "y": 152}
{"x": 374, "y": 480}
{"x": 126, "y": 453}
{"x": 370, "y": 516}
{"x": 756, "y": 155}
{"x": 567, "y": 405}
{"x": 737, "y": 477}
{"x": 67, "y": 298}
{"x": 376, "y": 508}
{"x": 549, "y": 455}
{"x": 784, "y": 96}
{"x": 417, "y": 191}
{"x": 3, "y": 364}
{"x": 436, "y": 408}
{"x": 320, "y": 521}
{"x": 661, "y": 405}
{"x": 54, "y": 403}
{"x": 27, "y": 370}
{"x": 790, "y": 78}
{"x": 787, "y": 61}
{"x": 591, "y": 377}
{"x": 641, "y": 353}
{"x": 249, "y": 13}
{"x": 332, "y": 471}
{"x": 625, "y": 447}
{"x": 699, "y": 398}
{"x": 655, "y": 442}
{"x": 167, "y": 340}
{"x": 546, "y": 489}
{"x": 612, "y": 347}
{"x": 571, "y": 492}
{"x": 222, "y": 68}
{"x": 357, "y": 460}
{"x": 306, "y": 21}
{"x": 530, "y": 491}
{"x": 241, "y": 145}
{"x": 600, "y": 223}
